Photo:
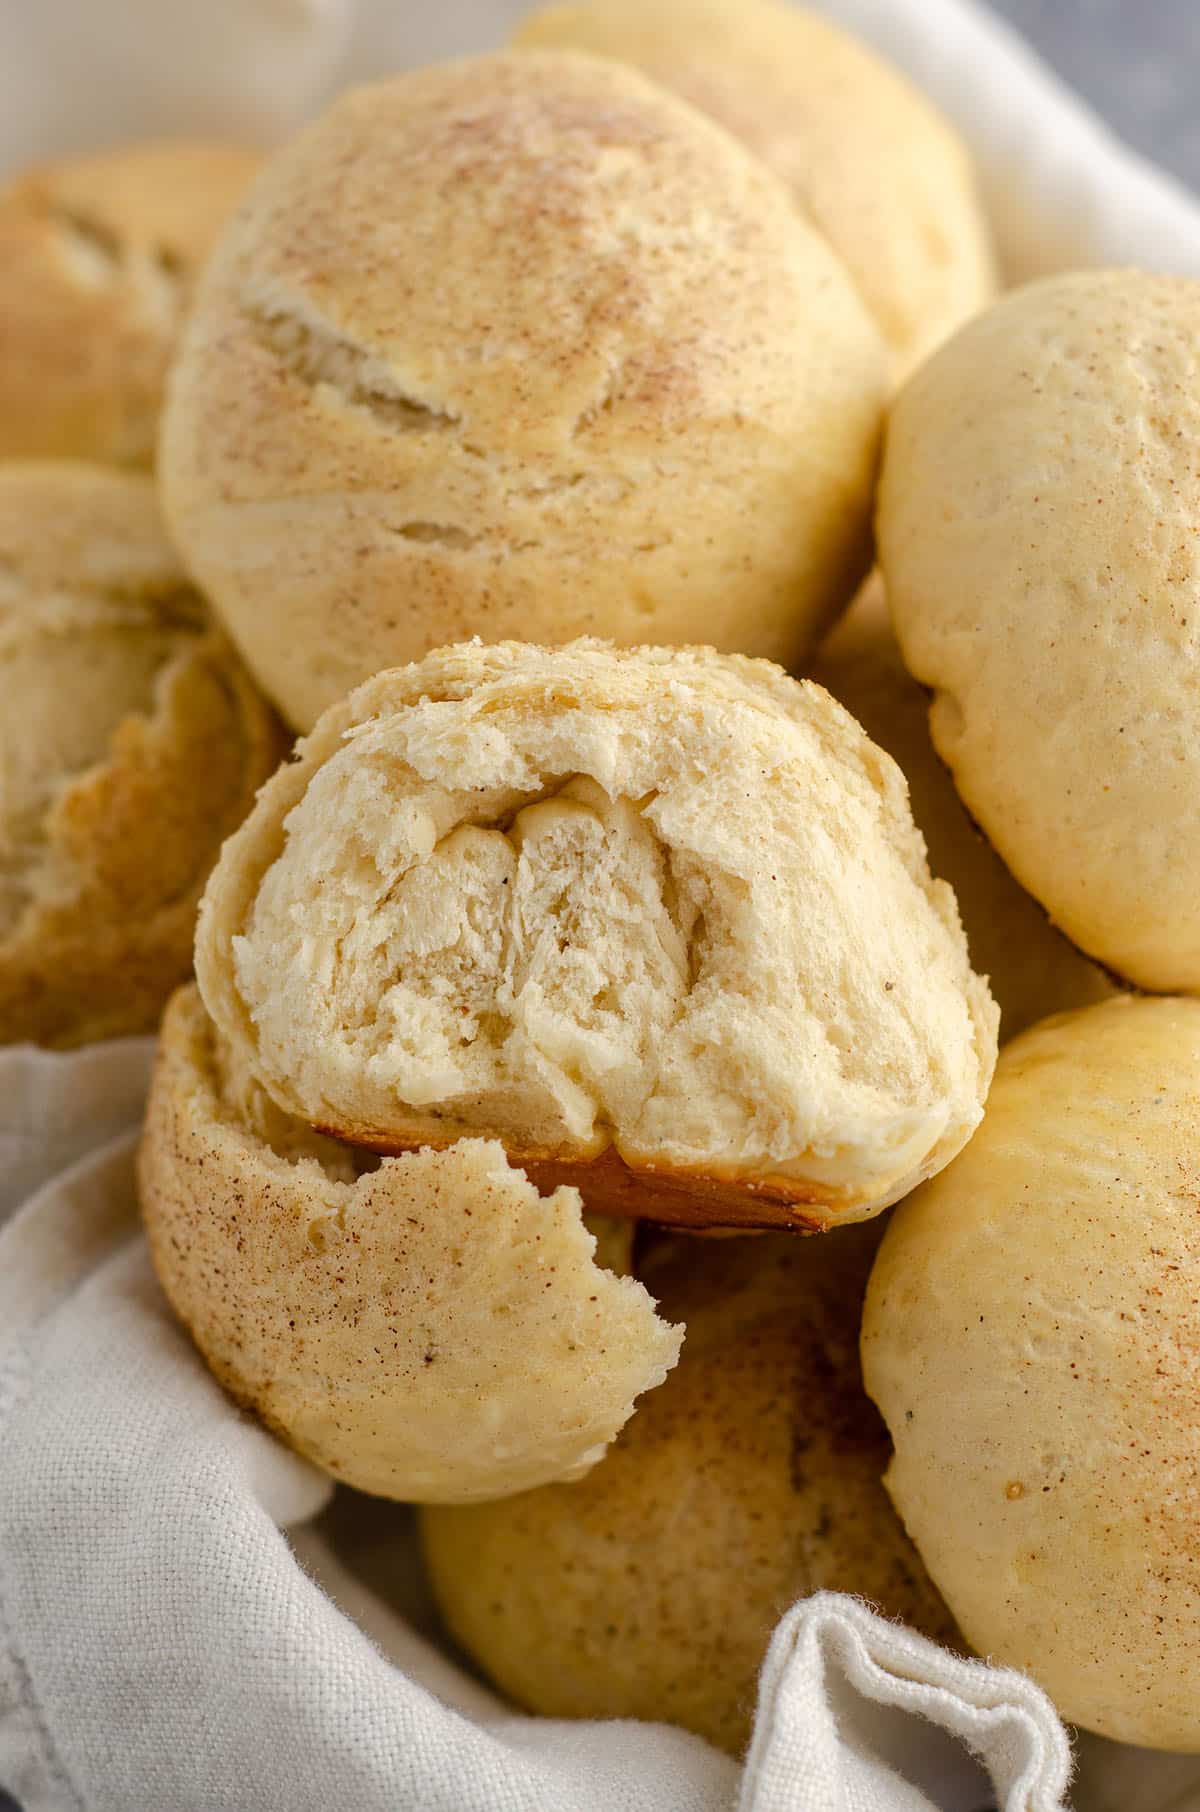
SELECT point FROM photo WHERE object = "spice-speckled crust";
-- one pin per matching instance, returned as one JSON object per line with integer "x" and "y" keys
{"x": 1031, "y": 968}
{"x": 1032, "y": 1336}
{"x": 131, "y": 742}
{"x": 430, "y": 1328}
{"x": 97, "y": 260}
{"x": 1039, "y": 534}
{"x": 519, "y": 346}
{"x": 752, "y": 1478}
{"x": 868, "y": 159}
{"x": 658, "y": 919}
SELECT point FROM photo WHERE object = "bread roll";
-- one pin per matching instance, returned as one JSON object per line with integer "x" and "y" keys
{"x": 750, "y": 1479}
{"x": 131, "y": 743}
{"x": 1038, "y": 526}
{"x": 1031, "y": 1337}
{"x": 1031, "y": 968}
{"x": 519, "y": 346}
{"x": 98, "y": 256}
{"x": 426, "y": 1327}
{"x": 659, "y": 920}
{"x": 868, "y": 160}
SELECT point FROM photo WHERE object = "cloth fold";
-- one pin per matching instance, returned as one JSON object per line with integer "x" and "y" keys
{"x": 187, "y": 1622}
{"x": 835, "y": 1678}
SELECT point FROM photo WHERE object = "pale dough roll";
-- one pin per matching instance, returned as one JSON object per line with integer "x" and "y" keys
{"x": 519, "y": 346}
{"x": 752, "y": 1478}
{"x": 98, "y": 256}
{"x": 426, "y": 1327}
{"x": 1031, "y": 968}
{"x": 131, "y": 743}
{"x": 1031, "y": 1337}
{"x": 658, "y": 919}
{"x": 868, "y": 160}
{"x": 1039, "y": 535}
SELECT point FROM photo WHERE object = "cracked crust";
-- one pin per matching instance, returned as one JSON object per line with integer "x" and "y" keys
{"x": 658, "y": 919}
{"x": 131, "y": 743}
{"x": 318, "y": 356}
{"x": 428, "y": 1327}
{"x": 98, "y": 256}
{"x": 868, "y": 160}
{"x": 752, "y": 1478}
{"x": 520, "y": 345}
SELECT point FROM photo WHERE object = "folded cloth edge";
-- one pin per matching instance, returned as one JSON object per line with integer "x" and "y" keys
{"x": 1001, "y": 1716}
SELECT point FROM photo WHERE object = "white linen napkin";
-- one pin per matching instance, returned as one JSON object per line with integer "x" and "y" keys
{"x": 55, "y": 1109}
{"x": 186, "y": 1623}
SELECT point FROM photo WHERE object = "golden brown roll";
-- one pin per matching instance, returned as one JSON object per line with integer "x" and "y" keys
{"x": 1031, "y": 968}
{"x": 869, "y": 161}
{"x": 657, "y": 919}
{"x": 427, "y": 1327}
{"x": 131, "y": 743}
{"x": 1031, "y": 1336}
{"x": 519, "y": 346}
{"x": 98, "y": 256}
{"x": 1038, "y": 527}
{"x": 751, "y": 1478}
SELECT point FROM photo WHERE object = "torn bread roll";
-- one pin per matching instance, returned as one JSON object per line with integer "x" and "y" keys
{"x": 752, "y": 1478}
{"x": 658, "y": 920}
{"x": 132, "y": 740}
{"x": 868, "y": 159}
{"x": 426, "y": 1327}
{"x": 521, "y": 345}
{"x": 98, "y": 257}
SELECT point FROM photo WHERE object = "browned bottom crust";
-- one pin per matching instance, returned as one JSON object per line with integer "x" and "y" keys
{"x": 671, "y": 1197}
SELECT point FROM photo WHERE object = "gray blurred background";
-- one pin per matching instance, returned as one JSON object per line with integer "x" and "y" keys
{"x": 1136, "y": 61}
